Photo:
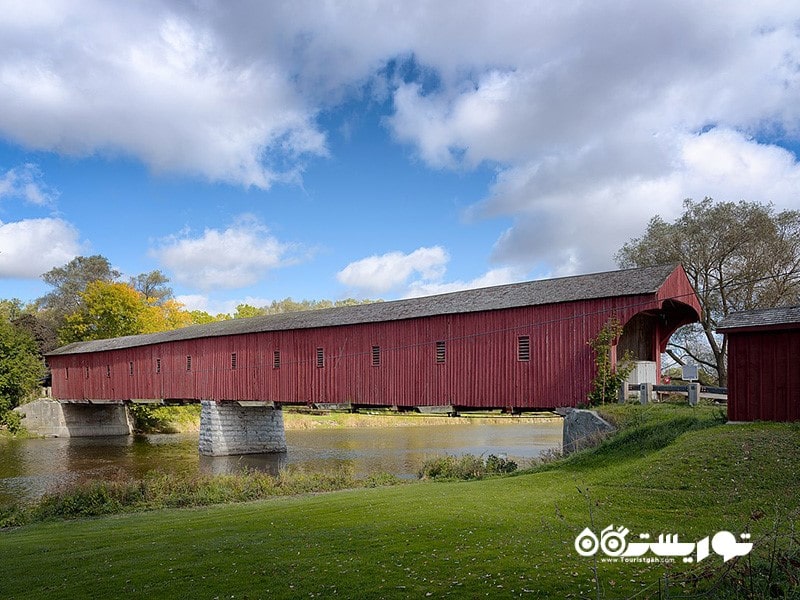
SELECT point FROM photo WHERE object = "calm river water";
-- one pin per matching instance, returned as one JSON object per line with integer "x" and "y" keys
{"x": 28, "y": 468}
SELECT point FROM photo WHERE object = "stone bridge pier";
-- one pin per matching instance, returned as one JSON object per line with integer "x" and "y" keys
{"x": 228, "y": 428}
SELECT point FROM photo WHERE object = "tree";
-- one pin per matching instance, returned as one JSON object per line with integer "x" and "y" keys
{"x": 287, "y": 305}
{"x": 11, "y": 309}
{"x": 21, "y": 370}
{"x": 738, "y": 256}
{"x": 110, "y": 309}
{"x": 201, "y": 317}
{"x": 153, "y": 286}
{"x": 27, "y": 318}
{"x": 39, "y": 328}
{"x": 106, "y": 310}
{"x": 165, "y": 316}
{"x": 70, "y": 281}
{"x": 245, "y": 311}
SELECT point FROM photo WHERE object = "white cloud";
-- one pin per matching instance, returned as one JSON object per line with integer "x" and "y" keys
{"x": 151, "y": 82}
{"x": 590, "y": 113}
{"x": 388, "y": 272}
{"x": 737, "y": 167}
{"x": 26, "y": 182}
{"x": 594, "y": 128}
{"x": 235, "y": 257}
{"x": 214, "y": 306}
{"x": 578, "y": 231}
{"x": 194, "y": 302}
{"x": 492, "y": 277}
{"x": 419, "y": 273}
{"x": 31, "y": 247}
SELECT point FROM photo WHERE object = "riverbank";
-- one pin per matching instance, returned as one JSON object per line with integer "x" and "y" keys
{"x": 185, "y": 419}
{"x": 305, "y": 420}
{"x": 671, "y": 470}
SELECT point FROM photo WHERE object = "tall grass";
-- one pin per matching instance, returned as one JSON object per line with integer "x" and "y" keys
{"x": 94, "y": 497}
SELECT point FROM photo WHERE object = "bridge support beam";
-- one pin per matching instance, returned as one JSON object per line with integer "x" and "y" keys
{"x": 228, "y": 428}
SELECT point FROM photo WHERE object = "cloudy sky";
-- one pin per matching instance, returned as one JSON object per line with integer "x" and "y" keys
{"x": 257, "y": 150}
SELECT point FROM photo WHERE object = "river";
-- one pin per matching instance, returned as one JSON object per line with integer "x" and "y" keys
{"x": 31, "y": 467}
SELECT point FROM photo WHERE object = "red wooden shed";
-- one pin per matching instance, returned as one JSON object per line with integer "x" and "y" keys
{"x": 518, "y": 346}
{"x": 763, "y": 364}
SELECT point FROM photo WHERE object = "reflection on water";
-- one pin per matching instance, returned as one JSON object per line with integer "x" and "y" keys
{"x": 29, "y": 468}
{"x": 225, "y": 465}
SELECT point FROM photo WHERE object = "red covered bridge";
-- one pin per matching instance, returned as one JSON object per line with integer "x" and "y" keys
{"x": 518, "y": 346}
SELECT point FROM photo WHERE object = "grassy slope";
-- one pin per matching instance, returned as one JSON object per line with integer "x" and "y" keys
{"x": 505, "y": 537}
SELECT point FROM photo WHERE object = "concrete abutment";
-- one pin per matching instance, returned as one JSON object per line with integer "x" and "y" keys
{"x": 50, "y": 418}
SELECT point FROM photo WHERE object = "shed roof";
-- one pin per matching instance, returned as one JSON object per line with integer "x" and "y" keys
{"x": 770, "y": 318}
{"x": 627, "y": 282}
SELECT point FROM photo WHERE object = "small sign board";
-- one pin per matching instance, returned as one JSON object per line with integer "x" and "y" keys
{"x": 689, "y": 372}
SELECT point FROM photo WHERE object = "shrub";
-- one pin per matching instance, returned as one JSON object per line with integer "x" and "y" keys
{"x": 499, "y": 464}
{"x": 609, "y": 377}
{"x": 381, "y": 479}
{"x": 90, "y": 499}
{"x": 11, "y": 420}
{"x": 165, "y": 419}
{"x": 467, "y": 466}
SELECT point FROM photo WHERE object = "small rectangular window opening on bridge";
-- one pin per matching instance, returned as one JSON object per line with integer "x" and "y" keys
{"x": 188, "y": 363}
{"x": 233, "y": 360}
{"x": 130, "y": 368}
{"x": 158, "y": 365}
{"x": 524, "y": 348}
{"x": 108, "y": 371}
{"x": 441, "y": 352}
{"x": 276, "y": 359}
{"x": 320, "y": 358}
{"x": 66, "y": 373}
{"x": 87, "y": 372}
{"x": 376, "y": 356}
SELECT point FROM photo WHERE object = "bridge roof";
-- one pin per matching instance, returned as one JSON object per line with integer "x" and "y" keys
{"x": 628, "y": 282}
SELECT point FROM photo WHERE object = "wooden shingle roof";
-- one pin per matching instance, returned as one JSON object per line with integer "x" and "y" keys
{"x": 627, "y": 282}
{"x": 769, "y": 318}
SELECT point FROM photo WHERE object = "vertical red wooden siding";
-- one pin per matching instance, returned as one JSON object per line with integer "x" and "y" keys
{"x": 764, "y": 375}
{"x": 481, "y": 367}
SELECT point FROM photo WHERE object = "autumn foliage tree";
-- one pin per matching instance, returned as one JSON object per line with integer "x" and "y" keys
{"x": 110, "y": 309}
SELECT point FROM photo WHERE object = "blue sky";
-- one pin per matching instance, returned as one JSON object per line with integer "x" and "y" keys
{"x": 254, "y": 151}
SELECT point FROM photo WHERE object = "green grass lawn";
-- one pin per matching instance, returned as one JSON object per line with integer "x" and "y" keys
{"x": 670, "y": 470}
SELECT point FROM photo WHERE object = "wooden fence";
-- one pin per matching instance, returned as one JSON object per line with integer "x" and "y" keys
{"x": 647, "y": 392}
